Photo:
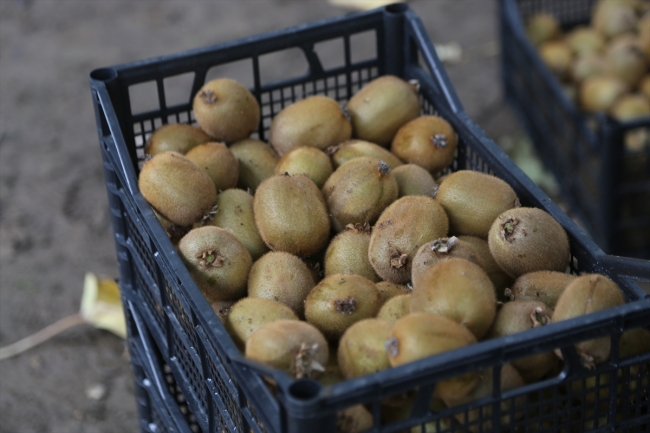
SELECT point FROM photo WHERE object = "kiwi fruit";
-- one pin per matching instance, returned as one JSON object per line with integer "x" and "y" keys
{"x": 226, "y": 110}
{"x": 350, "y": 149}
{"x": 292, "y": 346}
{"x": 630, "y": 106}
{"x": 598, "y": 93}
{"x": 317, "y": 121}
{"x": 218, "y": 161}
{"x": 388, "y": 290}
{"x": 587, "y": 294}
{"x": 584, "y": 40}
{"x": 249, "y": 314}
{"x": 519, "y": 316}
{"x": 234, "y": 212}
{"x": 613, "y": 18}
{"x": 217, "y": 262}
{"x": 625, "y": 60}
{"x": 355, "y": 419}
{"x": 459, "y": 290}
{"x": 441, "y": 249}
{"x": 542, "y": 286}
{"x": 587, "y": 65}
{"x": 414, "y": 180}
{"x": 291, "y": 215}
{"x": 381, "y": 107}
{"x": 428, "y": 141}
{"x": 256, "y": 160}
{"x": 395, "y": 239}
{"x": 558, "y": 57}
{"x": 174, "y": 232}
{"x": 358, "y": 192}
{"x": 347, "y": 253}
{"x": 499, "y": 278}
{"x": 472, "y": 200}
{"x": 310, "y": 161}
{"x": 542, "y": 27}
{"x": 420, "y": 335}
{"x": 634, "y": 342}
{"x": 281, "y": 277}
{"x": 526, "y": 240}
{"x": 395, "y": 308}
{"x": 361, "y": 348}
{"x": 176, "y": 137}
{"x": 179, "y": 190}
{"x": 339, "y": 301}
{"x": 221, "y": 309}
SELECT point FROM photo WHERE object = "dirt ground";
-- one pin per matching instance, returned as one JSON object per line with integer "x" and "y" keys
{"x": 54, "y": 224}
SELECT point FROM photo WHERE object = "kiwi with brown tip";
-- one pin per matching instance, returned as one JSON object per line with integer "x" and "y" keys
{"x": 420, "y": 335}
{"x": 350, "y": 149}
{"x": 176, "y": 137}
{"x": 316, "y": 121}
{"x": 256, "y": 160}
{"x": 472, "y": 200}
{"x": 542, "y": 286}
{"x": 388, "y": 290}
{"x": 395, "y": 308}
{"x": 281, "y": 277}
{"x": 226, "y": 110}
{"x": 217, "y": 262}
{"x": 599, "y": 92}
{"x": 381, "y": 107}
{"x": 542, "y": 27}
{"x": 310, "y": 161}
{"x": 234, "y": 212}
{"x": 414, "y": 180}
{"x": 358, "y": 192}
{"x": 519, "y": 316}
{"x": 361, "y": 348}
{"x": 558, "y": 57}
{"x": 459, "y": 290}
{"x": 428, "y": 141}
{"x": 355, "y": 419}
{"x": 176, "y": 188}
{"x": 249, "y": 314}
{"x": 347, "y": 253}
{"x": 292, "y": 346}
{"x": 218, "y": 161}
{"x": 441, "y": 249}
{"x": 499, "y": 278}
{"x": 395, "y": 239}
{"x": 291, "y": 215}
{"x": 587, "y": 294}
{"x": 339, "y": 301}
{"x": 528, "y": 239}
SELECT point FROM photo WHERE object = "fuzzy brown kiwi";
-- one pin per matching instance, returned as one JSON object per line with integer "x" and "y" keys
{"x": 361, "y": 348}
{"x": 428, "y": 141}
{"x": 218, "y": 161}
{"x": 420, "y": 335}
{"x": 599, "y": 92}
{"x": 613, "y": 18}
{"x": 293, "y": 346}
{"x": 310, "y": 161}
{"x": 414, "y": 180}
{"x": 217, "y": 261}
{"x": 176, "y": 137}
{"x": 350, "y": 149}
{"x": 339, "y": 301}
{"x": 472, "y": 200}
{"x": 381, "y": 107}
{"x": 626, "y": 60}
{"x": 499, "y": 278}
{"x": 542, "y": 286}
{"x": 558, "y": 57}
{"x": 355, "y": 419}
{"x": 587, "y": 294}
{"x": 281, "y": 277}
{"x": 358, "y": 192}
{"x": 226, "y": 110}
{"x": 395, "y": 308}
{"x": 542, "y": 27}
{"x": 388, "y": 290}
{"x": 587, "y": 65}
{"x": 395, "y": 240}
{"x": 630, "y": 106}
{"x": 316, "y": 121}
{"x": 347, "y": 253}
{"x": 585, "y": 40}
{"x": 291, "y": 215}
{"x": 526, "y": 240}
{"x": 234, "y": 212}
{"x": 179, "y": 190}
{"x": 459, "y": 290}
{"x": 441, "y": 249}
{"x": 256, "y": 160}
{"x": 249, "y": 314}
{"x": 519, "y": 316}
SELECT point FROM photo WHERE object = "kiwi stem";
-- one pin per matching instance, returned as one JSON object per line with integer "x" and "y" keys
{"x": 346, "y": 306}
{"x": 392, "y": 347}
{"x": 508, "y": 228}
{"x": 383, "y": 168}
{"x": 538, "y": 318}
{"x": 305, "y": 362}
{"x": 439, "y": 140}
{"x": 444, "y": 245}
{"x": 211, "y": 258}
{"x": 208, "y": 96}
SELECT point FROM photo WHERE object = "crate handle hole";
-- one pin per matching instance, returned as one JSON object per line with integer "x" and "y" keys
{"x": 103, "y": 74}
{"x": 305, "y": 389}
{"x": 397, "y": 8}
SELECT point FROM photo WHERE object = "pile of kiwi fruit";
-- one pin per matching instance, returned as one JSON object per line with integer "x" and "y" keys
{"x": 346, "y": 245}
{"x": 604, "y": 65}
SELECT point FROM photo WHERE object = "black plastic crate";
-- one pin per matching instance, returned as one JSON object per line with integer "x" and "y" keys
{"x": 606, "y": 186}
{"x": 226, "y": 392}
